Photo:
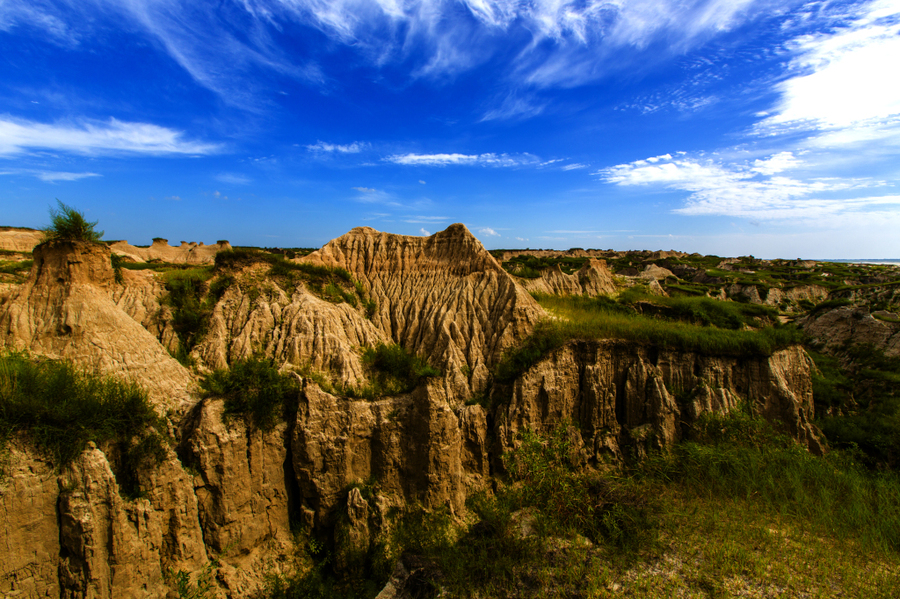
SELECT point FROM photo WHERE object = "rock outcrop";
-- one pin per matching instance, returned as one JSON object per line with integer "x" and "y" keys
{"x": 851, "y": 325}
{"x": 622, "y": 394}
{"x": 292, "y": 325}
{"x": 443, "y": 296}
{"x": 592, "y": 279}
{"x": 64, "y": 310}
{"x": 19, "y": 240}
{"x": 189, "y": 252}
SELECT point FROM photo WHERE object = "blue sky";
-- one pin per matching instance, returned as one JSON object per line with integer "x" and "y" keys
{"x": 730, "y": 127}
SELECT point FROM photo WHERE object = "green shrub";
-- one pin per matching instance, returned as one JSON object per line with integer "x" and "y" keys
{"x": 547, "y": 474}
{"x": 61, "y": 409}
{"x": 393, "y": 370}
{"x": 859, "y": 404}
{"x": 254, "y": 389}
{"x": 67, "y": 224}
{"x": 190, "y": 309}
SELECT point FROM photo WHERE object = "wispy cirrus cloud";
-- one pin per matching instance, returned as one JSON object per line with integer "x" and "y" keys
{"x": 324, "y": 147}
{"x": 233, "y": 178}
{"x": 96, "y": 137}
{"x": 553, "y": 43}
{"x": 50, "y": 176}
{"x": 489, "y": 159}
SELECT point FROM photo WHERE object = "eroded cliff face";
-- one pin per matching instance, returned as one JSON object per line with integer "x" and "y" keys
{"x": 443, "y": 296}
{"x": 64, "y": 310}
{"x": 228, "y": 492}
{"x": 624, "y": 395}
{"x": 292, "y": 325}
{"x": 851, "y": 325}
{"x": 592, "y": 279}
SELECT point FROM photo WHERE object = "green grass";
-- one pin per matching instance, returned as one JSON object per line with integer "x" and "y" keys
{"x": 858, "y": 403}
{"x": 255, "y": 390}
{"x": 392, "y": 371}
{"x": 16, "y": 268}
{"x": 191, "y": 306}
{"x": 530, "y": 267}
{"x": 61, "y": 409}
{"x": 583, "y": 318}
{"x": 333, "y": 284}
{"x": 739, "y": 510}
{"x": 742, "y": 457}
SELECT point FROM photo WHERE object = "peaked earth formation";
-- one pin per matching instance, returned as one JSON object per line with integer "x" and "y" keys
{"x": 227, "y": 494}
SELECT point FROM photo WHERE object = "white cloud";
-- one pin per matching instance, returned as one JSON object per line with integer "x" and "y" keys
{"x": 841, "y": 86}
{"x": 233, "y": 178}
{"x": 775, "y": 164}
{"x": 53, "y": 176}
{"x": 50, "y": 176}
{"x": 574, "y": 166}
{"x": 422, "y": 182}
{"x": 747, "y": 190}
{"x": 364, "y": 189}
{"x": 500, "y": 160}
{"x": 352, "y": 148}
{"x": 489, "y": 232}
{"x": 96, "y": 137}
{"x": 424, "y": 232}
{"x": 514, "y": 107}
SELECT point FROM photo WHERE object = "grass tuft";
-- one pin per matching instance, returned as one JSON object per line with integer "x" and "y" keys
{"x": 254, "y": 389}
{"x": 61, "y": 409}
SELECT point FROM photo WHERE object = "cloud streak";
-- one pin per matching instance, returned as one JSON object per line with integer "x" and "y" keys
{"x": 490, "y": 159}
{"x": 324, "y": 147}
{"x": 96, "y": 137}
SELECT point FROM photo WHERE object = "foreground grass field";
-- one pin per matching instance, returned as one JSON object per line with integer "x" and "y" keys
{"x": 738, "y": 511}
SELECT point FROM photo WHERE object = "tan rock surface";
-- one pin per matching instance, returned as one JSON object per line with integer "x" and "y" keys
{"x": 443, "y": 296}
{"x": 19, "y": 240}
{"x": 292, "y": 326}
{"x": 619, "y": 392}
{"x": 29, "y": 534}
{"x": 241, "y": 490}
{"x": 410, "y": 445}
{"x": 592, "y": 279}
{"x": 64, "y": 310}
{"x": 849, "y": 325}
{"x": 186, "y": 253}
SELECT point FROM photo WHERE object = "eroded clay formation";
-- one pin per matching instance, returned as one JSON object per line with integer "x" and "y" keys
{"x": 228, "y": 492}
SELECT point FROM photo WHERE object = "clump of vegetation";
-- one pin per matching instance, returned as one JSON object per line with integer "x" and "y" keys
{"x": 254, "y": 389}
{"x": 60, "y": 410}
{"x": 585, "y": 318}
{"x": 67, "y": 224}
{"x": 858, "y": 404}
{"x": 530, "y": 267}
{"x": 392, "y": 370}
{"x": 742, "y": 456}
{"x": 334, "y": 284}
{"x": 191, "y": 307}
{"x": 17, "y": 268}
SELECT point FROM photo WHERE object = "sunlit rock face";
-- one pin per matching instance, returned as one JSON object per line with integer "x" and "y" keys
{"x": 228, "y": 497}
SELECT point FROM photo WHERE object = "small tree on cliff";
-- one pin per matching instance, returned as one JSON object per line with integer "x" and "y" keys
{"x": 68, "y": 224}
